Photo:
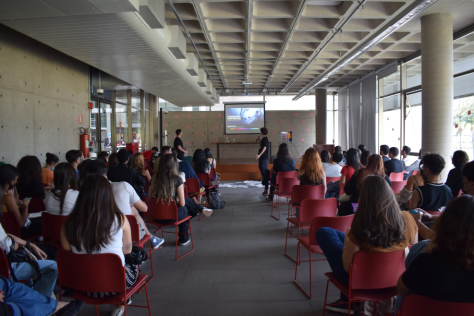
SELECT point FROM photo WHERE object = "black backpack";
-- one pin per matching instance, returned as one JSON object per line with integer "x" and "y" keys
{"x": 216, "y": 201}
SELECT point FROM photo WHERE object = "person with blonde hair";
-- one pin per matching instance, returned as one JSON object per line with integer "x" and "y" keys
{"x": 311, "y": 171}
{"x": 140, "y": 172}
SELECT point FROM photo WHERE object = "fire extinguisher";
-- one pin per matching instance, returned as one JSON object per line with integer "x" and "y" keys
{"x": 84, "y": 142}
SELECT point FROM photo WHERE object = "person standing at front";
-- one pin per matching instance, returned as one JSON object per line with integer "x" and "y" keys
{"x": 178, "y": 144}
{"x": 263, "y": 151}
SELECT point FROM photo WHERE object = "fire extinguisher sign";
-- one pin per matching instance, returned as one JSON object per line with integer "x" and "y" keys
{"x": 79, "y": 118}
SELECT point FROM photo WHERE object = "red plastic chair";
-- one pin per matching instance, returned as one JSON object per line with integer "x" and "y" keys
{"x": 281, "y": 175}
{"x": 97, "y": 273}
{"x": 206, "y": 179}
{"x": 415, "y": 172}
{"x": 135, "y": 230}
{"x": 396, "y": 176}
{"x": 12, "y": 226}
{"x": 213, "y": 175}
{"x": 309, "y": 209}
{"x": 302, "y": 192}
{"x": 164, "y": 211}
{"x": 373, "y": 276}
{"x": 397, "y": 186}
{"x": 311, "y": 244}
{"x": 194, "y": 189}
{"x": 52, "y": 229}
{"x": 333, "y": 179}
{"x": 284, "y": 191}
{"x": 417, "y": 305}
{"x": 36, "y": 205}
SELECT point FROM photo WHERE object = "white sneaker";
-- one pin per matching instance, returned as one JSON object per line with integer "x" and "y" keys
{"x": 207, "y": 212}
{"x": 118, "y": 312}
{"x": 185, "y": 243}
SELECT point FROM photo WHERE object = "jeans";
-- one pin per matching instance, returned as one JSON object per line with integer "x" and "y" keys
{"x": 26, "y": 301}
{"x": 183, "y": 227}
{"x": 49, "y": 275}
{"x": 262, "y": 165}
{"x": 414, "y": 252}
{"x": 331, "y": 242}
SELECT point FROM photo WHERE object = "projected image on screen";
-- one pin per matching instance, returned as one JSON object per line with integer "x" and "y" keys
{"x": 244, "y": 118}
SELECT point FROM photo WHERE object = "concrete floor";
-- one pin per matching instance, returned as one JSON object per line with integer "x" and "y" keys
{"x": 238, "y": 267}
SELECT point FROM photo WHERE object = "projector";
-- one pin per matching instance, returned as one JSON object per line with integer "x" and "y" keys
{"x": 247, "y": 82}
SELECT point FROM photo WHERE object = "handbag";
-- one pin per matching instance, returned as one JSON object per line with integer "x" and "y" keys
{"x": 138, "y": 256}
{"x": 216, "y": 201}
{"x": 22, "y": 255}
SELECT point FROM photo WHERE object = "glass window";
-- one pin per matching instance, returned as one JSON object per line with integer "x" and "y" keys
{"x": 391, "y": 120}
{"x": 463, "y": 129}
{"x": 121, "y": 127}
{"x": 121, "y": 96}
{"x": 106, "y": 126}
{"x": 413, "y": 72}
{"x": 391, "y": 83}
{"x": 137, "y": 127}
{"x": 413, "y": 122}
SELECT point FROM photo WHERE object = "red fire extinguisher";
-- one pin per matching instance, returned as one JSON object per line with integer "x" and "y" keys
{"x": 84, "y": 142}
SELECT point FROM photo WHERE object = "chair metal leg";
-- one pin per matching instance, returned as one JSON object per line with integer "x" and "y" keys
{"x": 310, "y": 279}
{"x": 147, "y": 300}
{"x": 190, "y": 233}
{"x": 96, "y": 310}
{"x": 325, "y": 298}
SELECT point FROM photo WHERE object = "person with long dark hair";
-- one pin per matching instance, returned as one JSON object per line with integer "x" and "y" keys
{"x": 83, "y": 173}
{"x": 209, "y": 157}
{"x": 30, "y": 178}
{"x": 62, "y": 198}
{"x": 378, "y": 226}
{"x": 283, "y": 162}
{"x": 364, "y": 157}
{"x": 48, "y": 170}
{"x": 103, "y": 155}
{"x": 331, "y": 164}
{"x": 96, "y": 225}
{"x": 454, "y": 180}
{"x": 167, "y": 186}
{"x": 201, "y": 164}
{"x": 196, "y": 155}
{"x": 352, "y": 165}
{"x": 113, "y": 161}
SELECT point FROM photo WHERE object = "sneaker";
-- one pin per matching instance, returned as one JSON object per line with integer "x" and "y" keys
{"x": 156, "y": 242}
{"x": 265, "y": 192}
{"x": 71, "y": 309}
{"x": 341, "y": 308}
{"x": 185, "y": 243}
{"x": 129, "y": 301}
{"x": 118, "y": 312}
{"x": 206, "y": 212}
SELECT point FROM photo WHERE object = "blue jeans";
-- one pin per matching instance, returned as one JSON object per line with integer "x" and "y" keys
{"x": 414, "y": 252}
{"x": 262, "y": 165}
{"x": 331, "y": 242}
{"x": 26, "y": 301}
{"x": 49, "y": 275}
{"x": 183, "y": 227}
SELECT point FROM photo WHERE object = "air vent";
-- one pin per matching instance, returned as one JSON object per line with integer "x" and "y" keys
{"x": 202, "y": 80}
{"x": 177, "y": 45}
{"x": 209, "y": 87}
{"x": 193, "y": 66}
{"x": 153, "y": 13}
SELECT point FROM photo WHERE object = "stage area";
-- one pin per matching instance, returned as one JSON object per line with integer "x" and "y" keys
{"x": 242, "y": 169}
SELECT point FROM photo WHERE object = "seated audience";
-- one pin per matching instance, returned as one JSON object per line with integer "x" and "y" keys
{"x": 362, "y": 148}
{"x": 30, "y": 178}
{"x": 187, "y": 171}
{"x": 96, "y": 225}
{"x": 196, "y": 155}
{"x": 103, "y": 155}
{"x": 311, "y": 171}
{"x": 122, "y": 172}
{"x": 112, "y": 161}
{"x": 62, "y": 198}
{"x": 394, "y": 164}
{"x": 284, "y": 163}
{"x": 154, "y": 155}
{"x": 167, "y": 186}
{"x": 384, "y": 152}
{"x": 74, "y": 157}
{"x": 331, "y": 164}
{"x": 454, "y": 180}
{"x": 201, "y": 164}
{"x": 413, "y": 182}
{"x": 352, "y": 165}
{"x": 209, "y": 157}
{"x": 468, "y": 178}
{"x": 48, "y": 170}
{"x": 130, "y": 158}
{"x": 378, "y": 226}
{"x": 407, "y": 160}
{"x": 156, "y": 164}
{"x": 140, "y": 172}
{"x": 83, "y": 173}
{"x": 364, "y": 156}
{"x": 352, "y": 188}
{"x": 444, "y": 271}
{"x": 338, "y": 149}
{"x": 414, "y": 165}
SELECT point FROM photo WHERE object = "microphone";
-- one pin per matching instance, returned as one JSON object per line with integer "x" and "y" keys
{"x": 258, "y": 138}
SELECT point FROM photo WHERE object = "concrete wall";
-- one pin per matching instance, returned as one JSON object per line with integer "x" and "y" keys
{"x": 42, "y": 93}
{"x": 204, "y": 129}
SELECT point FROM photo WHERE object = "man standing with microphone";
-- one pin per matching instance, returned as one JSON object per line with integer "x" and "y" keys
{"x": 263, "y": 151}
{"x": 178, "y": 144}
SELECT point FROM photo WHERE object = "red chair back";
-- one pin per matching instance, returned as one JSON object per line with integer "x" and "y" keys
{"x": 193, "y": 185}
{"x": 415, "y": 172}
{"x": 287, "y": 184}
{"x": 434, "y": 212}
{"x": 301, "y": 192}
{"x": 341, "y": 189}
{"x": 91, "y": 273}
{"x": 310, "y": 208}
{"x": 134, "y": 229}
{"x": 205, "y": 178}
{"x": 415, "y": 305}
{"x": 12, "y": 226}
{"x": 213, "y": 174}
{"x": 397, "y": 186}
{"x": 186, "y": 193}
{"x": 36, "y": 205}
{"x": 285, "y": 174}
{"x": 340, "y": 223}
{"x": 159, "y": 210}
{"x": 147, "y": 155}
{"x": 52, "y": 226}
{"x": 333, "y": 179}
{"x": 376, "y": 270}
{"x": 4, "y": 270}
{"x": 396, "y": 176}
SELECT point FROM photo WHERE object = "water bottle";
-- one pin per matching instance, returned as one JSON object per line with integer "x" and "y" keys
{"x": 233, "y": 140}
{"x": 226, "y": 139}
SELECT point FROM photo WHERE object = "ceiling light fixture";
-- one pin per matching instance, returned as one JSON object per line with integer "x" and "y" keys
{"x": 413, "y": 11}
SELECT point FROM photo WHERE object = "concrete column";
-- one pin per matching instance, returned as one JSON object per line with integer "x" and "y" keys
{"x": 437, "y": 85}
{"x": 321, "y": 116}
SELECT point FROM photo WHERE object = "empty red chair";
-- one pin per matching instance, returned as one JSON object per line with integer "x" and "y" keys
{"x": 163, "y": 211}
{"x": 52, "y": 229}
{"x": 97, "y": 273}
{"x": 206, "y": 179}
{"x": 194, "y": 190}
{"x": 135, "y": 232}
{"x": 373, "y": 276}
{"x": 333, "y": 179}
{"x": 396, "y": 176}
{"x": 284, "y": 191}
{"x": 309, "y": 209}
{"x": 281, "y": 175}
{"x": 397, "y": 186}
{"x": 417, "y": 305}
{"x": 301, "y": 192}
{"x": 311, "y": 244}
{"x": 36, "y": 205}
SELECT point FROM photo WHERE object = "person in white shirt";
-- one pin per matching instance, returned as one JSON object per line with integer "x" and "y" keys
{"x": 127, "y": 200}
{"x": 407, "y": 160}
{"x": 61, "y": 199}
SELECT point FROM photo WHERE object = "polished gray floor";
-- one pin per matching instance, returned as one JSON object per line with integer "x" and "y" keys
{"x": 238, "y": 267}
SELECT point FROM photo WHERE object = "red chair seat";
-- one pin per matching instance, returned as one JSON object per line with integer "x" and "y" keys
{"x": 305, "y": 242}
{"x": 363, "y": 295}
{"x": 150, "y": 221}
{"x": 116, "y": 299}
{"x": 285, "y": 195}
{"x": 296, "y": 221}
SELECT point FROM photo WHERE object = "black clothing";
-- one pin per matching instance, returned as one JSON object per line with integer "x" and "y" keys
{"x": 138, "y": 182}
{"x": 264, "y": 143}
{"x": 393, "y": 165}
{"x": 121, "y": 173}
{"x": 429, "y": 275}
{"x": 351, "y": 187}
{"x": 189, "y": 173}
{"x": 262, "y": 165}
{"x": 385, "y": 158}
{"x": 280, "y": 165}
{"x": 433, "y": 196}
{"x": 305, "y": 180}
{"x": 32, "y": 189}
{"x": 455, "y": 180}
{"x": 152, "y": 160}
{"x": 179, "y": 142}
{"x": 6, "y": 310}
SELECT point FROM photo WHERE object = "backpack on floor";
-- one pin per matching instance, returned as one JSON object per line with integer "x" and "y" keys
{"x": 216, "y": 201}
